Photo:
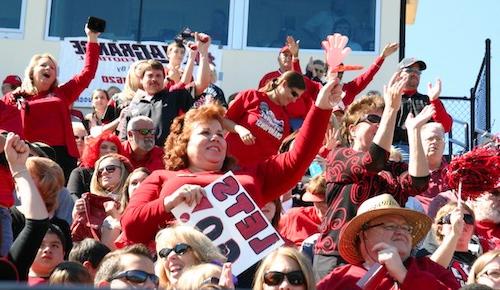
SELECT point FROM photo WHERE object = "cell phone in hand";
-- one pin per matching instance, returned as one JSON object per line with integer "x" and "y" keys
{"x": 96, "y": 24}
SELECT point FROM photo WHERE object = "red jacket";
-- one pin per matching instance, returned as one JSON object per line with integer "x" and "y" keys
{"x": 422, "y": 274}
{"x": 298, "y": 224}
{"x": 145, "y": 214}
{"x": 46, "y": 118}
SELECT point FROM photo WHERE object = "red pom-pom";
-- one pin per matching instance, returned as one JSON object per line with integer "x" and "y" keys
{"x": 479, "y": 171}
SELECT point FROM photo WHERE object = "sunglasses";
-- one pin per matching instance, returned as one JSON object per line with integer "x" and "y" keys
{"x": 468, "y": 219}
{"x": 80, "y": 138}
{"x": 180, "y": 249}
{"x": 145, "y": 132}
{"x": 412, "y": 70}
{"x": 320, "y": 71}
{"x": 108, "y": 168}
{"x": 371, "y": 118}
{"x": 136, "y": 276}
{"x": 274, "y": 278}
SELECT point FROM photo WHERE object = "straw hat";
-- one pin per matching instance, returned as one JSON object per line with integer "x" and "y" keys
{"x": 373, "y": 208}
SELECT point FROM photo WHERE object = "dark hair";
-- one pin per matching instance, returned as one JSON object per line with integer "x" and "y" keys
{"x": 150, "y": 65}
{"x": 293, "y": 80}
{"x": 56, "y": 230}
{"x": 88, "y": 250}
{"x": 476, "y": 286}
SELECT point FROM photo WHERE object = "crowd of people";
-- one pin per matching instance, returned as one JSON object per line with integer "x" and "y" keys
{"x": 357, "y": 186}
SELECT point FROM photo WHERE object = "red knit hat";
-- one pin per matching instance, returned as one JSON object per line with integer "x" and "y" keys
{"x": 12, "y": 80}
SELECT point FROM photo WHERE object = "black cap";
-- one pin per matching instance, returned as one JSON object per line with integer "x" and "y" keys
{"x": 409, "y": 61}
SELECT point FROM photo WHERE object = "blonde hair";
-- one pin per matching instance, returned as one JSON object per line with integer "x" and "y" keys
{"x": 480, "y": 263}
{"x": 48, "y": 177}
{"x": 27, "y": 84}
{"x": 125, "y": 169}
{"x": 356, "y": 111}
{"x": 292, "y": 253}
{"x": 132, "y": 81}
{"x": 196, "y": 276}
{"x": 203, "y": 249}
{"x": 443, "y": 211}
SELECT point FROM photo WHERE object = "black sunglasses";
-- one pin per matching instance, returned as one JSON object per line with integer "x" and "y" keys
{"x": 108, "y": 168}
{"x": 294, "y": 93}
{"x": 179, "y": 249}
{"x": 320, "y": 71}
{"x": 468, "y": 219}
{"x": 274, "y": 278}
{"x": 371, "y": 118}
{"x": 136, "y": 276}
{"x": 145, "y": 132}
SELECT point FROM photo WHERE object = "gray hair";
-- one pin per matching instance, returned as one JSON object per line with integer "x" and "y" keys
{"x": 136, "y": 119}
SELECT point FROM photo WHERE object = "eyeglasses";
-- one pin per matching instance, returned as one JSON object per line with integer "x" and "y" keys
{"x": 468, "y": 219}
{"x": 180, "y": 249}
{"x": 491, "y": 273}
{"x": 410, "y": 70}
{"x": 274, "y": 278}
{"x": 145, "y": 132}
{"x": 79, "y": 137}
{"x": 319, "y": 70}
{"x": 389, "y": 227}
{"x": 371, "y": 118}
{"x": 108, "y": 168}
{"x": 211, "y": 280}
{"x": 136, "y": 276}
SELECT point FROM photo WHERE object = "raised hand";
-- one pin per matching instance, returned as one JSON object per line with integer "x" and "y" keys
{"x": 335, "y": 49}
{"x": 423, "y": 117}
{"x": 329, "y": 95}
{"x": 91, "y": 35}
{"x": 293, "y": 45}
{"x": 389, "y": 49}
{"x": 394, "y": 90}
{"x": 434, "y": 91}
{"x": 16, "y": 152}
{"x": 203, "y": 42}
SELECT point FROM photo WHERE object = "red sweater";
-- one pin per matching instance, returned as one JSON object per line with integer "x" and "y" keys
{"x": 10, "y": 121}
{"x": 298, "y": 224}
{"x": 46, "y": 118}
{"x": 153, "y": 160}
{"x": 422, "y": 274}
{"x": 145, "y": 214}
{"x": 267, "y": 121}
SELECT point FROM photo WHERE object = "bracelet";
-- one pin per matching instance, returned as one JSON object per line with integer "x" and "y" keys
{"x": 15, "y": 174}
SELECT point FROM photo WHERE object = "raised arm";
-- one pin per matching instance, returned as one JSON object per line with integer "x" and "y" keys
{"x": 440, "y": 114}
{"x": 74, "y": 87}
{"x": 444, "y": 253}
{"x": 392, "y": 99}
{"x": 203, "y": 76}
{"x": 418, "y": 165}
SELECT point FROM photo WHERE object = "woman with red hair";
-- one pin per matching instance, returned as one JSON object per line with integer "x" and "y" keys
{"x": 79, "y": 180}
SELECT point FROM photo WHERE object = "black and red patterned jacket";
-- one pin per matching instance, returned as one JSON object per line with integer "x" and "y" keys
{"x": 352, "y": 177}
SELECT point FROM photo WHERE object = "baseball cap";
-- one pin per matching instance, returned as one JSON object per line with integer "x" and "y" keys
{"x": 409, "y": 61}
{"x": 12, "y": 80}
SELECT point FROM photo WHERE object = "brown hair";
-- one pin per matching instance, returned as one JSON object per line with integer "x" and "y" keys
{"x": 356, "y": 111}
{"x": 125, "y": 168}
{"x": 293, "y": 80}
{"x": 149, "y": 65}
{"x": 27, "y": 84}
{"x": 70, "y": 273}
{"x": 176, "y": 157}
{"x": 48, "y": 177}
{"x": 125, "y": 198}
{"x": 443, "y": 211}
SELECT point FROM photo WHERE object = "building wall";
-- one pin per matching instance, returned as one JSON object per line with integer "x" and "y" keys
{"x": 242, "y": 69}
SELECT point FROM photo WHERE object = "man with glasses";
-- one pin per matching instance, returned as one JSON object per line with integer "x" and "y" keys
{"x": 377, "y": 244}
{"x": 128, "y": 268}
{"x": 140, "y": 144}
{"x": 413, "y": 102}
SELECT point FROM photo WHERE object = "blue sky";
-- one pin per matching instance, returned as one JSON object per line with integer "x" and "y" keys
{"x": 449, "y": 36}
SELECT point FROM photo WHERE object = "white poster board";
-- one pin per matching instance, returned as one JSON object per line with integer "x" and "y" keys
{"x": 114, "y": 61}
{"x": 232, "y": 220}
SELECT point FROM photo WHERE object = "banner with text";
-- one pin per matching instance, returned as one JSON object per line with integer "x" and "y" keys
{"x": 232, "y": 220}
{"x": 114, "y": 62}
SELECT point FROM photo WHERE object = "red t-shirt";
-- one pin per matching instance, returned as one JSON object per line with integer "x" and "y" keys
{"x": 298, "y": 224}
{"x": 267, "y": 121}
{"x": 422, "y": 274}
